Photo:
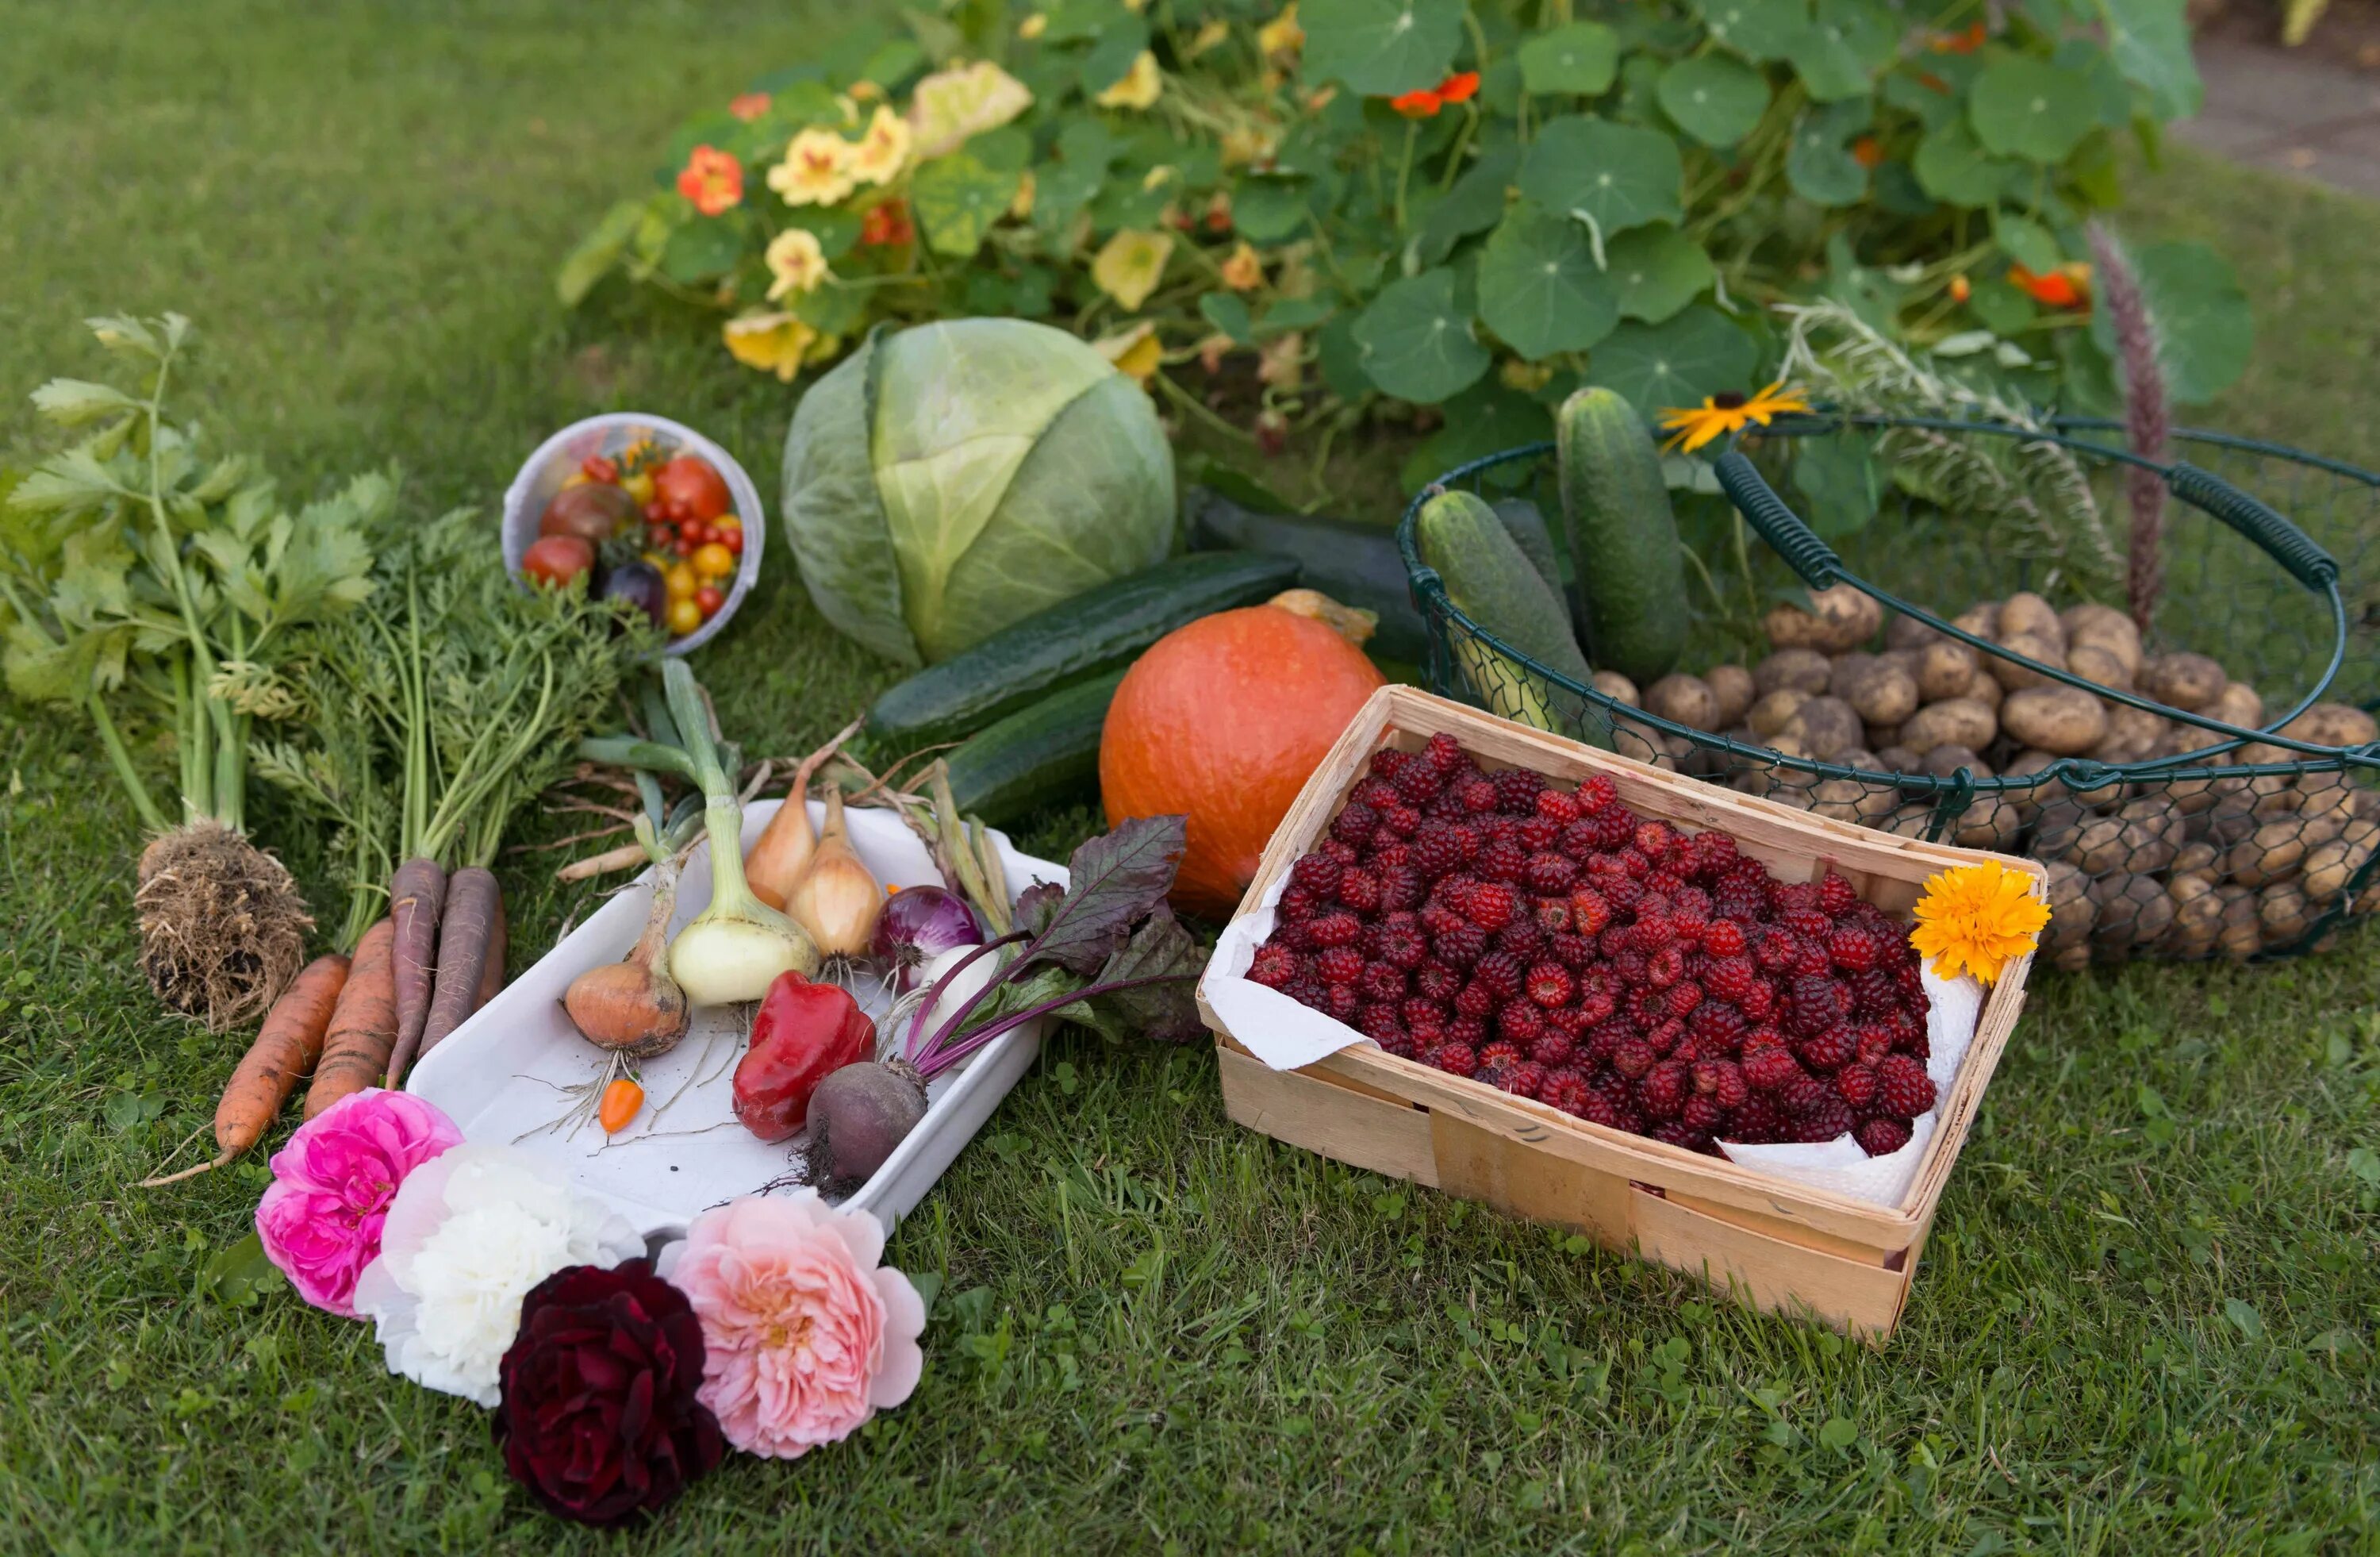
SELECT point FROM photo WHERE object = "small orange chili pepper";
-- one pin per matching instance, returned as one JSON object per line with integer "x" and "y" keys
{"x": 621, "y": 1099}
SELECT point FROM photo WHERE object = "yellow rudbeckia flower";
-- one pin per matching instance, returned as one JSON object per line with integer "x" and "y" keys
{"x": 1729, "y": 412}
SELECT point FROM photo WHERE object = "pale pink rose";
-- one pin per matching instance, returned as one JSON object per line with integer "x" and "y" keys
{"x": 332, "y": 1183}
{"x": 805, "y": 1334}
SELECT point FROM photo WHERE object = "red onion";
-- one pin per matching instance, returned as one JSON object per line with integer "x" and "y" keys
{"x": 917, "y": 924}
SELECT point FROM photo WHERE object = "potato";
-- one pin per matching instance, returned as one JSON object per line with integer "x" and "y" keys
{"x": 1945, "y": 760}
{"x": 1792, "y": 670}
{"x": 2095, "y": 662}
{"x": 2026, "y": 615}
{"x": 2333, "y": 724}
{"x": 2274, "y": 794}
{"x": 2048, "y": 791}
{"x": 2323, "y": 795}
{"x": 2106, "y": 627}
{"x": 1882, "y": 693}
{"x": 2242, "y": 935}
{"x": 1774, "y": 710}
{"x": 1907, "y": 659}
{"x": 2283, "y": 913}
{"x": 1825, "y": 726}
{"x": 2200, "y": 859}
{"x": 1842, "y": 618}
{"x": 2129, "y": 910}
{"x": 1982, "y": 619}
{"x": 1882, "y": 735}
{"x": 1945, "y": 669}
{"x": 1684, "y": 700}
{"x": 2181, "y": 680}
{"x": 2197, "y": 917}
{"x": 1952, "y": 721}
{"x": 1899, "y": 760}
{"x": 2236, "y": 704}
{"x": 2135, "y": 839}
{"x": 2229, "y": 821}
{"x": 1992, "y": 823}
{"x": 1985, "y": 689}
{"x": 1617, "y": 687}
{"x": 2196, "y": 794}
{"x": 2132, "y": 733}
{"x": 2272, "y": 852}
{"x": 1731, "y": 685}
{"x": 2062, "y": 720}
{"x": 1849, "y": 801}
{"x": 1908, "y": 632}
{"x": 2071, "y": 913}
{"x": 2013, "y": 677}
{"x": 2331, "y": 866}
{"x": 2057, "y": 828}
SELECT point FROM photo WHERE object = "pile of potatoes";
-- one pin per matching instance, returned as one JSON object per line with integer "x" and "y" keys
{"x": 2179, "y": 869}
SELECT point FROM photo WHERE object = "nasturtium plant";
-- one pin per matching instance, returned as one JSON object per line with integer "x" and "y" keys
{"x": 1288, "y": 217}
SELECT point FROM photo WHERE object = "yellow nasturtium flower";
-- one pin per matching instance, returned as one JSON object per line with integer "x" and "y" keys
{"x": 1281, "y": 35}
{"x": 1032, "y": 26}
{"x": 816, "y": 169}
{"x": 796, "y": 262}
{"x": 1136, "y": 352}
{"x": 774, "y": 343}
{"x": 883, "y": 151}
{"x": 1210, "y": 35}
{"x": 1139, "y": 88}
{"x": 1244, "y": 272}
{"x": 1130, "y": 265}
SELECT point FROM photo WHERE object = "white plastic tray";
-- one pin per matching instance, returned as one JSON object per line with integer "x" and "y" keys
{"x": 498, "y": 1075}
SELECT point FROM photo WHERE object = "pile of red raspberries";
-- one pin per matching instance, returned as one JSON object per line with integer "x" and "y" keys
{"x": 1556, "y": 944}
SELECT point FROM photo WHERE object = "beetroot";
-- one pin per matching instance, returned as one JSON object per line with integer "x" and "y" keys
{"x": 805, "y": 1032}
{"x": 857, "y": 1116}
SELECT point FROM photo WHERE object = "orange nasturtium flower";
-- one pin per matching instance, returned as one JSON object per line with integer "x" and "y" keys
{"x": 749, "y": 106}
{"x": 1868, "y": 152}
{"x": 1966, "y": 42}
{"x": 714, "y": 179}
{"x": 1692, "y": 427}
{"x": 2067, "y": 286}
{"x": 886, "y": 225}
{"x": 1423, "y": 104}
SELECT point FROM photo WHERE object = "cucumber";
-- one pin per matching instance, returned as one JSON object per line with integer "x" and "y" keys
{"x": 1490, "y": 579}
{"x": 1037, "y": 755}
{"x": 1624, "y": 538}
{"x": 1095, "y": 631}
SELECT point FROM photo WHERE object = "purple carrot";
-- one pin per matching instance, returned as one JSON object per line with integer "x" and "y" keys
{"x": 416, "y": 896}
{"x": 474, "y": 907}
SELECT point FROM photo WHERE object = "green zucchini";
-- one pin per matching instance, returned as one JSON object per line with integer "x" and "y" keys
{"x": 1095, "y": 631}
{"x": 1623, "y": 537}
{"x": 1490, "y": 579}
{"x": 1037, "y": 755}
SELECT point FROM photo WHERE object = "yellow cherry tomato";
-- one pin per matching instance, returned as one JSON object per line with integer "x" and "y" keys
{"x": 656, "y": 561}
{"x": 713, "y": 561}
{"x": 680, "y": 581}
{"x": 639, "y": 486}
{"x": 683, "y": 615}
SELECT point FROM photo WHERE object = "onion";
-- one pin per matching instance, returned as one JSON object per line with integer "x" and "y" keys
{"x": 918, "y": 924}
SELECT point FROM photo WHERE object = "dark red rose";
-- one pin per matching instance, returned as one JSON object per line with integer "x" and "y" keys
{"x": 598, "y": 1416}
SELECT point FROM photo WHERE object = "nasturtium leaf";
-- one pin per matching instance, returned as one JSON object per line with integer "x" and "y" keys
{"x": 1060, "y": 192}
{"x": 1819, "y": 164}
{"x": 598, "y": 252}
{"x": 1340, "y": 358}
{"x": 957, "y": 200}
{"x": 1070, "y": 21}
{"x": 1717, "y": 99}
{"x": 2150, "y": 42}
{"x": 1539, "y": 290}
{"x": 1380, "y": 48}
{"x": 1908, "y": 92}
{"x": 1268, "y": 210}
{"x": 1416, "y": 345}
{"x": 1296, "y": 313}
{"x": 1111, "y": 58}
{"x": 1682, "y": 362}
{"x": 1657, "y": 271}
{"x": 1488, "y": 418}
{"x": 2022, "y": 108}
{"x": 1475, "y": 204}
{"x": 703, "y": 249}
{"x": 1848, "y": 42}
{"x": 1952, "y": 166}
{"x": 2203, "y": 324}
{"x": 1758, "y": 30}
{"x": 1839, "y": 480}
{"x": 2110, "y": 96}
{"x": 1579, "y": 57}
{"x": 2027, "y": 241}
{"x": 1615, "y": 176}
{"x": 1229, "y": 313}
{"x": 2001, "y": 306}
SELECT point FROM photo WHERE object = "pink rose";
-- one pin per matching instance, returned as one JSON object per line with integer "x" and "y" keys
{"x": 332, "y": 1185}
{"x": 805, "y": 1335}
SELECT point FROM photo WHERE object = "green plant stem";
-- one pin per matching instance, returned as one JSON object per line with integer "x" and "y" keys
{"x": 1192, "y": 404}
{"x": 1405, "y": 166}
{"x": 121, "y": 760}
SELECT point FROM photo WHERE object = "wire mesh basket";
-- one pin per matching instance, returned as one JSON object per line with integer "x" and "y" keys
{"x": 2227, "y": 801}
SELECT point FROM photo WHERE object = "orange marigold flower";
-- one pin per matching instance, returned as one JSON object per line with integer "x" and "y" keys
{"x": 749, "y": 106}
{"x": 1977, "y": 920}
{"x": 714, "y": 179}
{"x": 1868, "y": 152}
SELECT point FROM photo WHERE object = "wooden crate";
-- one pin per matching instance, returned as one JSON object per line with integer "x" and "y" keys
{"x": 1774, "y": 1244}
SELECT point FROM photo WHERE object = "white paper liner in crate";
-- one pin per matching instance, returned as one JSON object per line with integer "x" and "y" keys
{"x": 1286, "y": 1035}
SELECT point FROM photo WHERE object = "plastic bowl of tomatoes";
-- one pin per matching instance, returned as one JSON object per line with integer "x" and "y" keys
{"x": 648, "y": 511}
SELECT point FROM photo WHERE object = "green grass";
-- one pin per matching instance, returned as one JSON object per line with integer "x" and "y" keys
{"x": 2145, "y": 1317}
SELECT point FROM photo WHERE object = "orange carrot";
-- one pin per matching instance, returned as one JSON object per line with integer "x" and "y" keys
{"x": 286, "y": 1049}
{"x": 473, "y": 901}
{"x": 363, "y": 1027}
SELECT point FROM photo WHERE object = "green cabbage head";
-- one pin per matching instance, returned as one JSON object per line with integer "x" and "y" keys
{"x": 944, "y": 481}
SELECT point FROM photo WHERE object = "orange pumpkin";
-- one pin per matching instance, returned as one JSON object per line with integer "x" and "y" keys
{"x": 1223, "y": 720}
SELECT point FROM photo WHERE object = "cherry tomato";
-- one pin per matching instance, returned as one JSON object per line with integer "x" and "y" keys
{"x": 683, "y": 547}
{"x": 684, "y": 616}
{"x": 694, "y": 485}
{"x": 641, "y": 487}
{"x": 732, "y": 537}
{"x": 710, "y": 599}
{"x": 714, "y": 559}
{"x": 596, "y": 468}
{"x": 680, "y": 579}
{"x": 696, "y": 531}
{"x": 558, "y": 559}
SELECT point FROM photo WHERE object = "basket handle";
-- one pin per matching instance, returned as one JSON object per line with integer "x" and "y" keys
{"x": 1777, "y": 524}
{"x": 2287, "y": 544}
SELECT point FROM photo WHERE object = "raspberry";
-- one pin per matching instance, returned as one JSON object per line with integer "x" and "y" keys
{"x": 1828, "y": 1051}
{"x": 1603, "y": 1044}
{"x": 1401, "y": 1043}
{"x": 1318, "y": 873}
{"x": 1478, "y": 797}
{"x": 1455, "y": 1058}
{"x": 1377, "y": 793}
{"x": 1767, "y": 1070}
{"x": 1855, "y": 1084}
{"x": 1522, "y": 1023}
{"x": 1400, "y": 820}
{"x": 1597, "y": 792}
{"x": 1716, "y": 1020}
{"x": 1446, "y": 805}
{"x": 1633, "y": 1058}
{"x": 1663, "y": 1090}
{"x": 1537, "y": 834}
{"x": 1498, "y": 1054}
{"x": 1682, "y": 998}
{"x": 1571, "y": 1021}
{"x": 1567, "y": 1090}
{"x": 1730, "y": 979}
{"x": 1553, "y": 1049}
{"x": 1559, "y": 806}
{"x": 1653, "y": 840}
{"x": 1703, "y": 1115}
{"x": 1612, "y": 1113}
{"x": 1436, "y": 980}
{"x": 1819, "y": 1003}
{"x": 1378, "y": 1021}
{"x": 1874, "y": 994}
{"x": 1354, "y": 825}
{"x": 1400, "y": 887}
{"x": 1549, "y": 984}
{"x": 1500, "y": 974}
{"x": 1440, "y": 847}
{"x": 1759, "y": 1003}
{"x": 1665, "y": 1037}
{"x": 1475, "y": 1000}
{"x": 1623, "y": 892}
{"x": 1490, "y": 905}
{"x": 1389, "y": 761}
{"x": 1503, "y": 860}
{"x": 1653, "y": 930}
{"x": 1275, "y": 966}
{"x": 1339, "y": 929}
{"x": 1589, "y": 910}
{"x": 1667, "y": 882}
{"x": 1459, "y": 945}
{"x": 1444, "y": 752}
{"x": 1835, "y": 895}
{"x": 1550, "y": 873}
{"x": 1614, "y": 826}
{"x": 1467, "y": 1030}
{"x": 1739, "y": 901}
{"x": 1420, "y": 1011}
{"x": 1824, "y": 1120}
{"x": 1902, "y": 1088}
{"x": 1580, "y": 839}
{"x": 1524, "y": 1080}
{"x": 1875, "y": 1041}
{"x": 1516, "y": 791}
{"x": 1723, "y": 1081}
{"x": 1523, "y": 939}
{"x": 1594, "y": 1006}
{"x": 1807, "y": 924}
{"x": 1359, "y": 890}
{"x": 1630, "y": 966}
{"x": 1340, "y": 964}
{"x": 1757, "y": 1121}
{"x": 1882, "y": 1138}
{"x": 1572, "y": 951}
{"x": 1643, "y": 1005}
{"x": 1306, "y": 989}
{"x": 1341, "y": 1000}
{"x": 1712, "y": 854}
{"x": 1339, "y": 849}
{"x": 1402, "y": 946}
{"x": 1382, "y": 980}
{"x": 1383, "y": 856}
{"x": 1665, "y": 968}
{"x": 1636, "y": 864}
{"x": 1553, "y": 915}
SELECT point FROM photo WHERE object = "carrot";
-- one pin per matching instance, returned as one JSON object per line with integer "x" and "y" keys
{"x": 286, "y": 1049}
{"x": 473, "y": 902}
{"x": 363, "y": 1024}
{"x": 416, "y": 894}
{"x": 493, "y": 980}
